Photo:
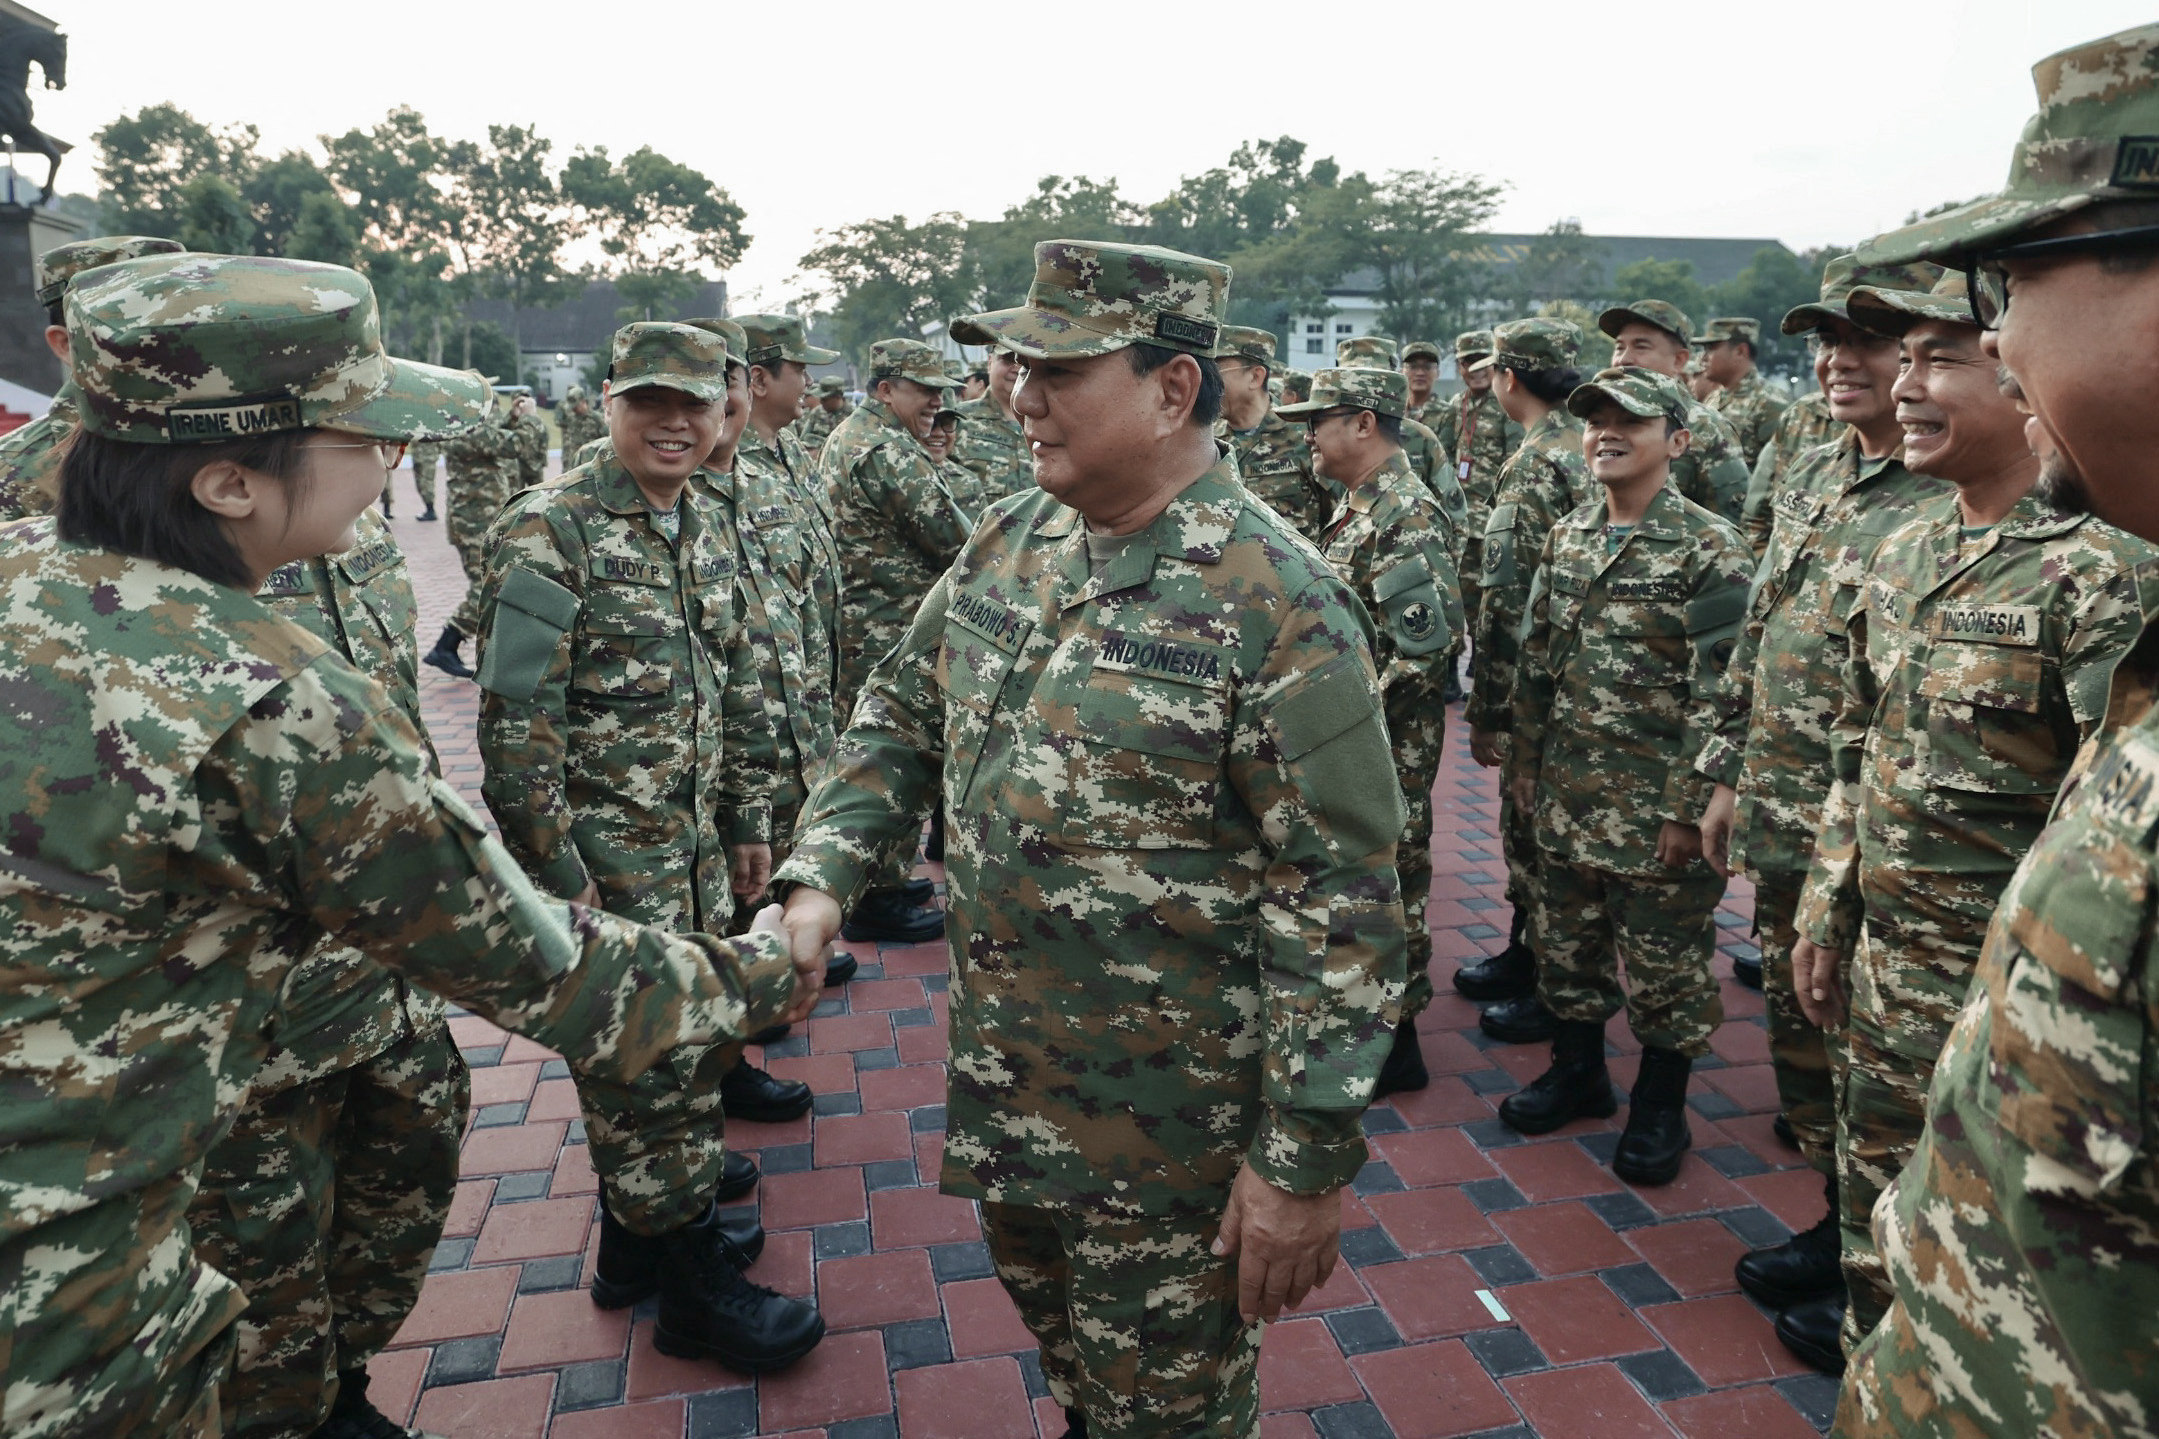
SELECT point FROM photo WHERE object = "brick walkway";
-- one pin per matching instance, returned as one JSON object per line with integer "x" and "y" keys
{"x": 1613, "y": 1312}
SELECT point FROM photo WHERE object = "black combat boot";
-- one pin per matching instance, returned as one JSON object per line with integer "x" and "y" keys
{"x": 738, "y": 1176}
{"x": 444, "y": 655}
{"x": 840, "y": 968}
{"x": 919, "y": 891}
{"x": 1814, "y": 1331}
{"x": 886, "y": 915}
{"x": 628, "y": 1269}
{"x": 354, "y": 1416}
{"x": 1075, "y": 1423}
{"x": 1656, "y": 1137}
{"x": 747, "y": 1092}
{"x": 1809, "y": 1265}
{"x": 1576, "y": 1084}
{"x": 1404, "y": 1069}
{"x": 1519, "y": 1021}
{"x": 1509, "y": 974}
{"x": 1748, "y": 972}
{"x": 709, "y": 1311}
{"x": 428, "y": 513}
{"x": 933, "y": 848}
{"x": 1786, "y": 1135}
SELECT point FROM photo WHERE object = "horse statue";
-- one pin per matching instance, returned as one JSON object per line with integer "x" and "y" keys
{"x": 21, "y": 46}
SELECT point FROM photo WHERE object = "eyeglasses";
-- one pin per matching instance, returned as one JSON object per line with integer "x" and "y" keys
{"x": 947, "y": 423}
{"x": 1988, "y": 282}
{"x": 390, "y": 452}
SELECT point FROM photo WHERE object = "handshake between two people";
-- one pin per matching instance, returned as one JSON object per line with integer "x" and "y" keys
{"x": 811, "y": 921}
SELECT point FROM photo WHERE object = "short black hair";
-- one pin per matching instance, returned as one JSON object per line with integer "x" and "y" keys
{"x": 1550, "y": 386}
{"x": 773, "y": 366}
{"x": 1388, "y": 425}
{"x": 56, "y": 312}
{"x": 138, "y": 499}
{"x": 1207, "y": 405}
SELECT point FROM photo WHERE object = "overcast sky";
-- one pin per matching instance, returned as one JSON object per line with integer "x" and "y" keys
{"x": 1679, "y": 118}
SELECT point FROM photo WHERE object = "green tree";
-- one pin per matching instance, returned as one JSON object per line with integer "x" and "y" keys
{"x": 1671, "y": 281}
{"x": 398, "y": 176}
{"x": 999, "y": 262}
{"x": 145, "y": 161}
{"x": 512, "y": 222}
{"x": 275, "y": 191}
{"x": 890, "y": 277}
{"x": 660, "y": 224}
{"x": 326, "y": 230}
{"x": 1773, "y": 282}
{"x": 214, "y": 216}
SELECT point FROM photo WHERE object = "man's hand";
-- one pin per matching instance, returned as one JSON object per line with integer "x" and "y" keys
{"x": 1818, "y": 975}
{"x": 812, "y": 921}
{"x": 1485, "y": 746}
{"x": 749, "y": 869}
{"x": 1286, "y": 1244}
{"x": 809, "y": 983}
{"x": 589, "y": 896}
{"x": 1678, "y": 845}
{"x": 1716, "y": 830}
{"x": 1523, "y": 791}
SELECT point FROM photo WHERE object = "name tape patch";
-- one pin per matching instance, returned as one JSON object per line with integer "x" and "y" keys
{"x": 1988, "y": 624}
{"x": 2124, "y": 787}
{"x": 1649, "y": 589}
{"x": 233, "y": 421}
{"x": 2136, "y": 163}
{"x": 626, "y": 570}
{"x": 994, "y": 621}
{"x": 1146, "y": 655}
{"x": 363, "y": 562}
{"x": 718, "y": 567}
{"x": 1183, "y": 329}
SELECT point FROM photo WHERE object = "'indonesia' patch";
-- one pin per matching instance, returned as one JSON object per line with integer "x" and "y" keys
{"x": 1175, "y": 659}
{"x": 1988, "y": 624}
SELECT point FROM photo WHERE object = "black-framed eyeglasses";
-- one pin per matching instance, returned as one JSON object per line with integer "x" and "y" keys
{"x": 1339, "y": 412}
{"x": 1989, "y": 282}
{"x": 947, "y": 422}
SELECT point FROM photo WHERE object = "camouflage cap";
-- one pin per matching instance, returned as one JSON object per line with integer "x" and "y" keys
{"x": 738, "y": 340}
{"x": 1892, "y": 312}
{"x": 1089, "y": 298}
{"x": 955, "y": 373}
{"x": 1665, "y": 316}
{"x": 182, "y": 348}
{"x": 780, "y": 337}
{"x": 1845, "y": 274}
{"x": 1635, "y": 390}
{"x": 832, "y": 385}
{"x": 1296, "y": 385}
{"x": 1374, "y": 352}
{"x": 1420, "y": 350}
{"x": 1242, "y": 342}
{"x": 1472, "y": 344}
{"x": 1730, "y": 327}
{"x": 1383, "y": 392}
{"x": 62, "y": 263}
{"x": 574, "y": 393}
{"x": 1540, "y": 342}
{"x": 908, "y": 360}
{"x": 2094, "y": 138}
{"x": 690, "y": 357}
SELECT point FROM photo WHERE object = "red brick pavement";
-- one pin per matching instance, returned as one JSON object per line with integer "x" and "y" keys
{"x": 1620, "y": 1315}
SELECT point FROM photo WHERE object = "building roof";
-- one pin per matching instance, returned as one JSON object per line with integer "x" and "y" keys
{"x": 1716, "y": 260}
{"x": 582, "y": 325}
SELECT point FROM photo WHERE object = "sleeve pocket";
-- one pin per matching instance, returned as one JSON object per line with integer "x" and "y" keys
{"x": 1418, "y": 618}
{"x": 1334, "y": 744}
{"x": 532, "y": 614}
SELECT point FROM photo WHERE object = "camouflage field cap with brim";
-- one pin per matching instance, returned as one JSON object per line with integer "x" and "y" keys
{"x": 1472, "y": 345}
{"x": 832, "y": 385}
{"x": 737, "y": 338}
{"x": 1730, "y": 327}
{"x": 1091, "y": 298}
{"x": 1363, "y": 387}
{"x": 1296, "y": 385}
{"x": 1892, "y": 312}
{"x": 780, "y": 337}
{"x": 1662, "y": 314}
{"x": 955, "y": 373}
{"x": 690, "y": 357}
{"x": 1845, "y": 274}
{"x": 197, "y": 349}
{"x": 2094, "y": 138}
{"x": 1541, "y": 342}
{"x": 573, "y": 394}
{"x": 1372, "y": 352}
{"x": 1243, "y": 342}
{"x": 1420, "y": 350}
{"x": 62, "y": 263}
{"x": 908, "y": 360}
{"x": 1635, "y": 390}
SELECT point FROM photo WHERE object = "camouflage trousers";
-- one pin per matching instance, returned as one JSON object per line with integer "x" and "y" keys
{"x": 1800, "y": 1055}
{"x": 1417, "y": 725}
{"x": 1588, "y": 922}
{"x": 472, "y": 509}
{"x": 324, "y": 1205}
{"x": 1517, "y": 844}
{"x": 1137, "y": 1320}
{"x": 1907, "y": 983}
{"x": 423, "y": 475}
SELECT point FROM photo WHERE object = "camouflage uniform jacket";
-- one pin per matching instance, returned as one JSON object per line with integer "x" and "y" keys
{"x": 1475, "y": 430}
{"x": 612, "y": 661}
{"x": 1753, "y": 409}
{"x": 1176, "y": 930}
{"x": 816, "y": 425}
{"x": 994, "y": 448}
{"x": 1274, "y": 459}
{"x": 1428, "y": 461}
{"x": 531, "y": 435}
{"x": 799, "y": 550}
{"x": 1542, "y": 481}
{"x": 340, "y": 1008}
{"x": 1615, "y": 691}
{"x": 1805, "y": 423}
{"x": 897, "y": 527}
{"x": 1394, "y": 547}
{"x": 198, "y": 790}
{"x": 2022, "y": 1239}
{"x": 578, "y": 430}
{"x": 863, "y": 425}
{"x": 1974, "y": 674}
{"x": 481, "y": 471}
{"x": 30, "y": 459}
{"x": 1784, "y": 685}
{"x": 1712, "y": 472}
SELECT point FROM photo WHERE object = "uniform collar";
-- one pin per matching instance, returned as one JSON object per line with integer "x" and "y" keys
{"x": 2033, "y": 517}
{"x": 1367, "y": 491}
{"x": 1665, "y": 519}
{"x": 1195, "y": 527}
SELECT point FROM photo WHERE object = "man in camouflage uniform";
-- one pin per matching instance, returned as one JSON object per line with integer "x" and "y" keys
{"x": 1742, "y": 397}
{"x": 1427, "y": 457}
{"x": 990, "y": 442}
{"x": 580, "y": 422}
{"x": 255, "y": 737}
{"x": 1805, "y": 423}
{"x": 426, "y": 457}
{"x": 1296, "y": 388}
{"x": 1980, "y": 655}
{"x": 628, "y": 755}
{"x": 1657, "y": 336}
{"x": 1394, "y": 547}
{"x": 325, "y": 1201}
{"x": 898, "y": 527}
{"x": 1153, "y": 715}
{"x": 1636, "y": 603}
{"x": 832, "y": 406}
{"x": 1273, "y": 455}
{"x": 30, "y": 456}
{"x": 482, "y": 473}
{"x": 1545, "y": 479}
{"x": 531, "y": 428}
{"x": 1420, "y": 366}
{"x": 1477, "y": 438}
{"x": 1770, "y": 756}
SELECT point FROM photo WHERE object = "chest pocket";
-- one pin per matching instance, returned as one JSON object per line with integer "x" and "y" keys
{"x": 633, "y": 636}
{"x": 982, "y": 641}
{"x": 1641, "y": 641}
{"x": 1988, "y": 727}
{"x": 785, "y": 548}
{"x": 1151, "y": 725}
{"x": 1499, "y": 558}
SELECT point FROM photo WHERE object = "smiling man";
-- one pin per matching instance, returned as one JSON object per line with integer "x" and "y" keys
{"x": 1274, "y": 456}
{"x": 1657, "y": 336}
{"x": 1741, "y": 395}
{"x": 1979, "y": 660}
{"x": 1177, "y": 938}
{"x": 989, "y": 441}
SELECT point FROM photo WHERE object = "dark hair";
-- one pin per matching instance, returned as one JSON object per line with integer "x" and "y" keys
{"x": 1207, "y": 404}
{"x": 137, "y": 498}
{"x": 56, "y": 312}
{"x": 1388, "y": 425}
{"x": 774, "y": 367}
{"x": 1550, "y": 386}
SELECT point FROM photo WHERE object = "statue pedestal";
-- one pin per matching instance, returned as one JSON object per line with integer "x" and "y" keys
{"x": 25, "y": 234}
